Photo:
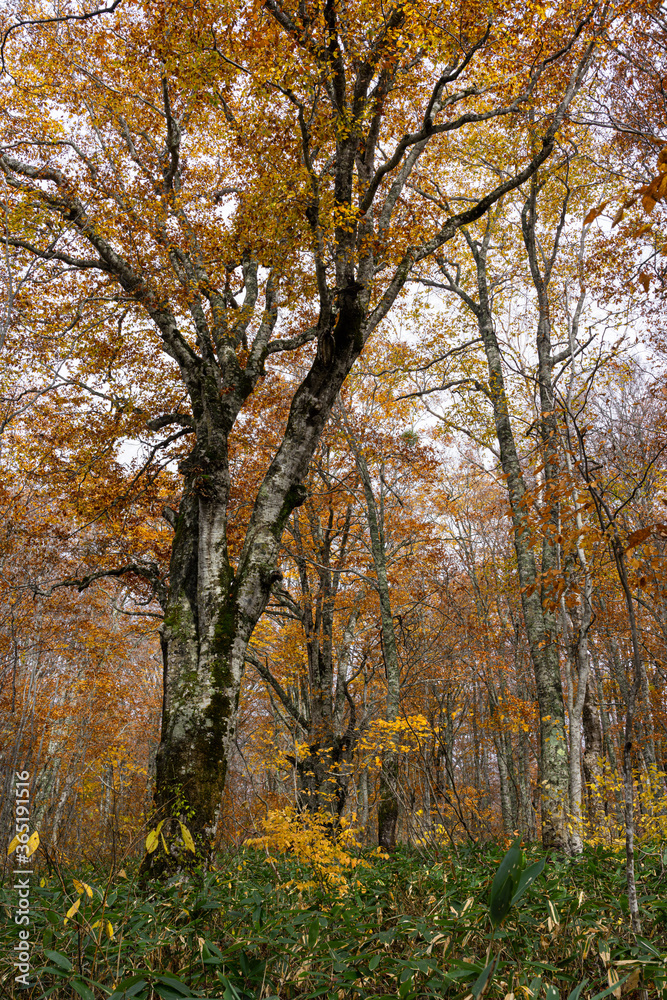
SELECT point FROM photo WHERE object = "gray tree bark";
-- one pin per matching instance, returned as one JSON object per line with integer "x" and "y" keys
{"x": 593, "y": 750}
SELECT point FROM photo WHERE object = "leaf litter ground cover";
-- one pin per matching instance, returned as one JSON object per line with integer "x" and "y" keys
{"x": 489, "y": 922}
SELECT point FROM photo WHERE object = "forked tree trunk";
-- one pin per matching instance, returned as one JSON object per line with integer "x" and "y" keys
{"x": 212, "y": 609}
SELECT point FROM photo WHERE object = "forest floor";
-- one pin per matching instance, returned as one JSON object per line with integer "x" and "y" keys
{"x": 404, "y": 925}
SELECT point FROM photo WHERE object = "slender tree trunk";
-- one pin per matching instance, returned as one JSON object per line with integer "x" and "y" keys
{"x": 363, "y": 795}
{"x": 577, "y": 655}
{"x": 576, "y": 626}
{"x": 608, "y": 742}
{"x": 631, "y": 705}
{"x": 505, "y": 795}
{"x": 526, "y": 802}
{"x": 428, "y": 819}
{"x": 59, "y": 810}
{"x": 388, "y": 806}
{"x": 593, "y": 751}
{"x": 575, "y": 740}
{"x": 609, "y": 750}
{"x": 364, "y": 773}
{"x": 325, "y": 772}
{"x": 540, "y": 623}
{"x": 476, "y": 758}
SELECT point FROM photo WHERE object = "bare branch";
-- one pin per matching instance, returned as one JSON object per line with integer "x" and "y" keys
{"x": 148, "y": 571}
{"x": 268, "y": 677}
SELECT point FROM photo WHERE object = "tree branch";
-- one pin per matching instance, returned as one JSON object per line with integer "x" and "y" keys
{"x": 268, "y": 677}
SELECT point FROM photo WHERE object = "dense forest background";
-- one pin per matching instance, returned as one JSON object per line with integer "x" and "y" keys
{"x": 83, "y": 678}
{"x": 334, "y": 431}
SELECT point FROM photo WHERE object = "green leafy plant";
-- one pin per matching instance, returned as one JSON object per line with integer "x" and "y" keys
{"x": 511, "y": 881}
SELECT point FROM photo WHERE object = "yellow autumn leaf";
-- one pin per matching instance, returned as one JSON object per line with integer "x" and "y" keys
{"x": 82, "y": 887}
{"x": 73, "y": 909}
{"x": 187, "y": 838}
{"x": 152, "y": 838}
{"x": 14, "y": 844}
{"x": 109, "y": 930}
{"x": 151, "y": 841}
{"x": 33, "y": 843}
